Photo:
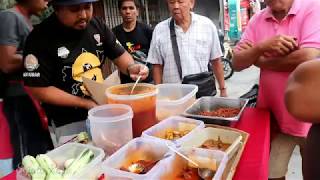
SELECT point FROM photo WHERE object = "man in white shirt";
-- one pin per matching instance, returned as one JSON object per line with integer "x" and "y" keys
{"x": 198, "y": 44}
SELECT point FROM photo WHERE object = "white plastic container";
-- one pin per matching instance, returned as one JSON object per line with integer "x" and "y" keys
{"x": 91, "y": 174}
{"x": 136, "y": 149}
{"x": 71, "y": 151}
{"x": 157, "y": 131}
{"x": 142, "y": 101}
{"x": 173, "y": 166}
{"x": 226, "y": 136}
{"x": 174, "y": 99}
{"x": 111, "y": 126}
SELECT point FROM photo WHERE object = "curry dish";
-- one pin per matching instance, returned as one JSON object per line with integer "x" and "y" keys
{"x": 221, "y": 112}
{"x": 126, "y": 90}
{"x": 216, "y": 145}
{"x": 188, "y": 173}
{"x": 175, "y": 134}
{"x": 139, "y": 167}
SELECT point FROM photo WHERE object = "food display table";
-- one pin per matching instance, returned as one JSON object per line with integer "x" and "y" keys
{"x": 253, "y": 164}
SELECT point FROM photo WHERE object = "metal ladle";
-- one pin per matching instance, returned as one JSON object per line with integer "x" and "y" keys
{"x": 206, "y": 173}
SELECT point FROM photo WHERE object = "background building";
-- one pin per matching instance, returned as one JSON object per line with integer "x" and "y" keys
{"x": 154, "y": 11}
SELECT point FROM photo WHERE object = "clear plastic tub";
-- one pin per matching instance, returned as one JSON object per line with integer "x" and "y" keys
{"x": 174, "y": 99}
{"x": 137, "y": 149}
{"x": 91, "y": 174}
{"x": 111, "y": 126}
{"x": 226, "y": 136}
{"x": 142, "y": 102}
{"x": 71, "y": 151}
{"x": 173, "y": 166}
{"x": 175, "y": 123}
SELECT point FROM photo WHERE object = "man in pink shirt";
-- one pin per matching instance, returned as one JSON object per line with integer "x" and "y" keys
{"x": 277, "y": 40}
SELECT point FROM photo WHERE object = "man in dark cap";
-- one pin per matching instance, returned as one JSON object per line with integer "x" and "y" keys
{"x": 67, "y": 46}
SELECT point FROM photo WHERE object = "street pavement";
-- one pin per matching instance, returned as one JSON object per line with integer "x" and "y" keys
{"x": 239, "y": 84}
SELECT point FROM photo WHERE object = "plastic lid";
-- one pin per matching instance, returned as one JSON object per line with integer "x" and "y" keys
{"x": 110, "y": 112}
{"x": 193, "y": 90}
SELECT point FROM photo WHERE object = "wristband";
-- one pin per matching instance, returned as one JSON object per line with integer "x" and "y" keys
{"x": 221, "y": 89}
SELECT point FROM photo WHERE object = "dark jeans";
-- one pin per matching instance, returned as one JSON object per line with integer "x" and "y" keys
{"x": 311, "y": 157}
{"x": 26, "y": 132}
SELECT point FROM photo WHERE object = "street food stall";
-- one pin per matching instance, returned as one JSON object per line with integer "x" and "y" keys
{"x": 181, "y": 144}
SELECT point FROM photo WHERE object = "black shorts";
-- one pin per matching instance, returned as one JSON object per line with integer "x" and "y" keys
{"x": 26, "y": 132}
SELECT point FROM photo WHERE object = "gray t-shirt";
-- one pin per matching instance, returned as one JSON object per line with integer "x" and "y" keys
{"x": 14, "y": 30}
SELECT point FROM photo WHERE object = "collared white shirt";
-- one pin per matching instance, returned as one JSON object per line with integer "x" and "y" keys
{"x": 197, "y": 47}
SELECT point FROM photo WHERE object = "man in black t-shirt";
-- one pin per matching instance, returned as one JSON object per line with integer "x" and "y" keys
{"x": 132, "y": 34}
{"x": 67, "y": 46}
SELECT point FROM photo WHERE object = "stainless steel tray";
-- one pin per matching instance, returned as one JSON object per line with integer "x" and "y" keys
{"x": 210, "y": 103}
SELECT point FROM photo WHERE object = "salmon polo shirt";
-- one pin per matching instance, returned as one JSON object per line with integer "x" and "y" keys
{"x": 303, "y": 23}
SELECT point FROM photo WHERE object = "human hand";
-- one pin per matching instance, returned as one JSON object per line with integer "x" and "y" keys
{"x": 223, "y": 92}
{"x": 136, "y": 70}
{"x": 90, "y": 104}
{"x": 244, "y": 46}
{"x": 279, "y": 45}
{"x": 265, "y": 63}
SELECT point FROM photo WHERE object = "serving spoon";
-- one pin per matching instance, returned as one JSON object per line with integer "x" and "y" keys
{"x": 204, "y": 173}
{"x": 139, "y": 77}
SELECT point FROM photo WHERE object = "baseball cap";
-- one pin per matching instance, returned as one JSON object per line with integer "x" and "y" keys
{"x": 70, "y": 2}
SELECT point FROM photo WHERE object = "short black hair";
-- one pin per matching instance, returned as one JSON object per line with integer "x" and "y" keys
{"x": 21, "y": 1}
{"x": 136, "y": 3}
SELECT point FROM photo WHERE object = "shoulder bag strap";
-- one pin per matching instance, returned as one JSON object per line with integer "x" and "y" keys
{"x": 175, "y": 48}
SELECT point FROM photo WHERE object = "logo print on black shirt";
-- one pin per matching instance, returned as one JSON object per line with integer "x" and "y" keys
{"x": 31, "y": 62}
{"x": 98, "y": 39}
{"x": 86, "y": 65}
{"x": 63, "y": 52}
